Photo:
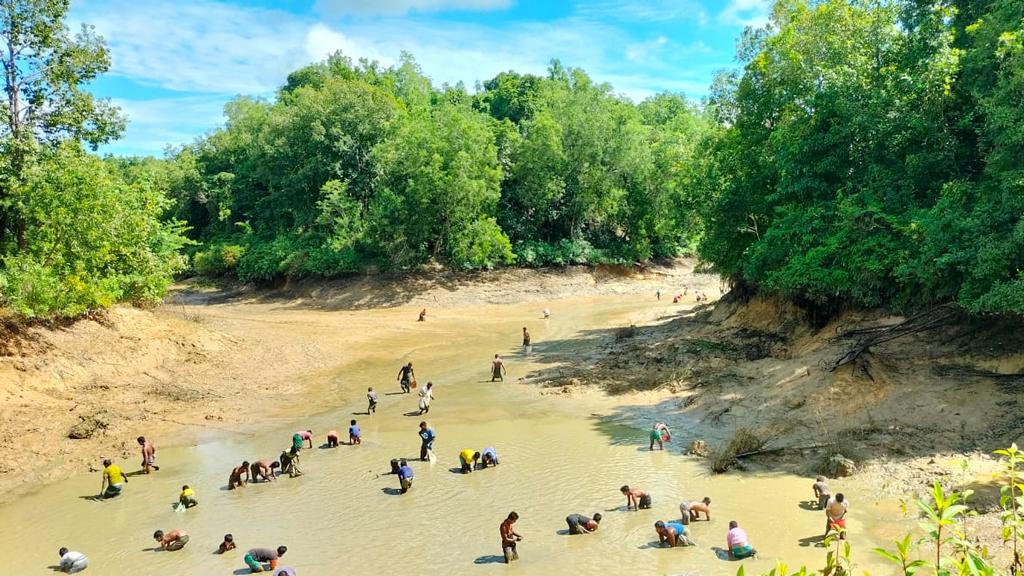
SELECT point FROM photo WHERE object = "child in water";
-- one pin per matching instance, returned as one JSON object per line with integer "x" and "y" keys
{"x": 354, "y": 434}
{"x": 371, "y": 399}
{"x": 227, "y": 544}
{"x": 187, "y": 498}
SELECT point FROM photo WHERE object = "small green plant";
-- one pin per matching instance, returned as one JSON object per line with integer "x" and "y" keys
{"x": 954, "y": 552}
{"x": 1011, "y": 500}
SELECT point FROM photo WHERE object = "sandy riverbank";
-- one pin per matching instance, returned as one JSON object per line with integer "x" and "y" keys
{"x": 197, "y": 365}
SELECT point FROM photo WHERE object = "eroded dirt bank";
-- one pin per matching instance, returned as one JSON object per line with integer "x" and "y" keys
{"x": 868, "y": 385}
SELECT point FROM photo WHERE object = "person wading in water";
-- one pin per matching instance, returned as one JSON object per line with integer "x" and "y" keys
{"x": 406, "y": 377}
{"x": 497, "y": 369}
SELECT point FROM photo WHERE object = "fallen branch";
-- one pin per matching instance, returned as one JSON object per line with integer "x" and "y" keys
{"x": 868, "y": 337}
{"x": 778, "y": 449}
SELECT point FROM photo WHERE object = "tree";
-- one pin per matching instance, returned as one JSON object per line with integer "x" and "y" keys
{"x": 97, "y": 239}
{"x": 44, "y": 70}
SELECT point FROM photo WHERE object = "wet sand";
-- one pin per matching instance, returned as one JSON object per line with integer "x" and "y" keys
{"x": 343, "y": 515}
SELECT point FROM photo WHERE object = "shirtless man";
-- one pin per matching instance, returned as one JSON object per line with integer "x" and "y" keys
{"x": 262, "y": 469}
{"x": 497, "y": 369}
{"x": 405, "y": 377}
{"x": 148, "y": 455}
{"x": 696, "y": 508}
{"x": 171, "y": 541}
{"x": 526, "y": 340}
{"x": 835, "y": 514}
{"x": 636, "y": 498}
{"x": 235, "y": 480}
{"x": 509, "y": 537}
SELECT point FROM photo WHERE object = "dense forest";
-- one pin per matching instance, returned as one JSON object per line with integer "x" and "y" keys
{"x": 354, "y": 165}
{"x": 863, "y": 153}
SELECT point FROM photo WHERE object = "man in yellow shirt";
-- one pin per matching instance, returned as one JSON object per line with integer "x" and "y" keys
{"x": 188, "y": 497}
{"x": 113, "y": 480}
{"x": 468, "y": 458}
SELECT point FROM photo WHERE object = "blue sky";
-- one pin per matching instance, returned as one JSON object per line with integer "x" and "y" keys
{"x": 177, "y": 62}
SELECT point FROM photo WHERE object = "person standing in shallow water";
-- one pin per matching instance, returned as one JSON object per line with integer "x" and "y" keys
{"x": 426, "y": 395}
{"x": 148, "y": 455}
{"x": 835, "y": 513}
{"x": 427, "y": 437}
{"x": 497, "y": 369}
{"x": 526, "y": 341}
{"x": 509, "y": 538}
{"x": 405, "y": 377}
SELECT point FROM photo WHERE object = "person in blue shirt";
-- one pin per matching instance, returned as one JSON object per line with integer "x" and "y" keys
{"x": 427, "y": 436}
{"x": 405, "y": 476}
{"x": 488, "y": 457}
{"x": 354, "y": 434}
{"x": 672, "y": 534}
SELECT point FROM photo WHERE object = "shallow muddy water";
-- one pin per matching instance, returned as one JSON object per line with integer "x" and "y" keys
{"x": 560, "y": 455}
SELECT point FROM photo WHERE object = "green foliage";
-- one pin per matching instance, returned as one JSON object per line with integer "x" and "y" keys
{"x": 96, "y": 239}
{"x": 217, "y": 259}
{"x": 872, "y": 155}
{"x": 482, "y": 244}
{"x": 561, "y": 253}
{"x": 951, "y": 549}
{"x": 75, "y": 233}
{"x": 356, "y": 165}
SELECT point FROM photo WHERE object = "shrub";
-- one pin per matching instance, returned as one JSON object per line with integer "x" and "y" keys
{"x": 91, "y": 240}
{"x": 482, "y": 245}
{"x": 217, "y": 260}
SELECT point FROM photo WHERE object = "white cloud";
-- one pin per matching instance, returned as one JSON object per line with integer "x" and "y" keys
{"x": 155, "y": 123}
{"x": 401, "y": 7}
{"x": 746, "y": 12}
{"x": 322, "y": 40}
{"x": 209, "y": 50}
{"x": 643, "y": 10}
{"x": 209, "y": 46}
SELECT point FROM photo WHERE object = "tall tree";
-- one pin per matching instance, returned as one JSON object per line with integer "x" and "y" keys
{"x": 44, "y": 70}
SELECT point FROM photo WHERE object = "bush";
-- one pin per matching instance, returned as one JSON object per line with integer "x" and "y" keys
{"x": 562, "y": 253}
{"x": 91, "y": 240}
{"x": 217, "y": 260}
{"x": 482, "y": 245}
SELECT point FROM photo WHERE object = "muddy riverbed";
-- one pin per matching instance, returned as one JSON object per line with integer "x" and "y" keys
{"x": 560, "y": 453}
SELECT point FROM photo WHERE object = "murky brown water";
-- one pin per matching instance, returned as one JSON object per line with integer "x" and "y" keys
{"x": 341, "y": 517}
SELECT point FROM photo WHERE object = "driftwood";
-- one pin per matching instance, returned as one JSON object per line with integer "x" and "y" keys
{"x": 778, "y": 449}
{"x": 865, "y": 338}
